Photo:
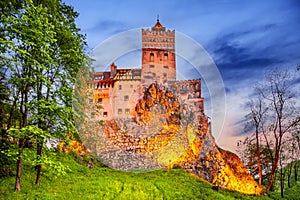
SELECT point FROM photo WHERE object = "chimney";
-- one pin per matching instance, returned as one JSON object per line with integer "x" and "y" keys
{"x": 113, "y": 70}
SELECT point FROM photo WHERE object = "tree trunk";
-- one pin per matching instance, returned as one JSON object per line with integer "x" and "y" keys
{"x": 19, "y": 166}
{"x": 42, "y": 126}
{"x": 23, "y": 123}
{"x": 281, "y": 182}
{"x": 273, "y": 171}
{"x": 39, "y": 166}
{"x": 258, "y": 159}
{"x": 296, "y": 171}
{"x": 290, "y": 168}
{"x": 10, "y": 119}
{"x": 18, "y": 175}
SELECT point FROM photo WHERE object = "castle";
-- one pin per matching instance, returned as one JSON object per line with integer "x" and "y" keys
{"x": 149, "y": 120}
{"x": 119, "y": 90}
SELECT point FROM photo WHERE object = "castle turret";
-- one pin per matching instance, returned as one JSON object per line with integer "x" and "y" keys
{"x": 158, "y": 54}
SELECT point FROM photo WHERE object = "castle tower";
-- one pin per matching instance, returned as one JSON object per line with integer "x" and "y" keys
{"x": 158, "y": 55}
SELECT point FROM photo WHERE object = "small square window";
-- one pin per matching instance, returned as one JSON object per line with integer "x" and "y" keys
{"x": 126, "y": 98}
{"x": 127, "y": 111}
{"x": 131, "y": 86}
{"x": 105, "y": 114}
{"x": 120, "y": 111}
{"x": 165, "y": 75}
{"x": 166, "y": 67}
{"x": 120, "y": 87}
{"x": 91, "y": 101}
{"x": 151, "y": 66}
{"x": 100, "y": 100}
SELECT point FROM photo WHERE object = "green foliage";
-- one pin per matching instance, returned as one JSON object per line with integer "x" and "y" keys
{"x": 28, "y": 132}
{"x": 10, "y": 153}
{"x": 41, "y": 53}
{"x": 289, "y": 193}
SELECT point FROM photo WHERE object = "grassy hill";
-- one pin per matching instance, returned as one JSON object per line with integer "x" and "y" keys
{"x": 81, "y": 182}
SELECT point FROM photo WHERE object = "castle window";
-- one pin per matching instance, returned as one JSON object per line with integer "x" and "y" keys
{"x": 166, "y": 67}
{"x": 120, "y": 111}
{"x": 90, "y": 101}
{"x": 99, "y": 77}
{"x": 165, "y": 75}
{"x": 120, "y": 87}
{"x": 127, "y": 111}
{"x": 165, "y": 56}
{"x": 151, "y": 66}
{"x": 105, "y": 114}
{"x": 126, "y": 98}
{"x": 100, "y": 100}
{"x": 151, "y": 57}
{"x": 131, "y": 86}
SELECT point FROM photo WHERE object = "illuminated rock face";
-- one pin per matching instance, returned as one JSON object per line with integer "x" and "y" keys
{"x": 172, "y": 135}
{"x": 222, "y": 168}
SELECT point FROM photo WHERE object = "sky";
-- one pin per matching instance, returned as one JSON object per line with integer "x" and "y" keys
{"x": 244, "y": 39}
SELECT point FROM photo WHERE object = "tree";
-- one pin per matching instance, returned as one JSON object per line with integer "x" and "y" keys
{"x": 277, "y": 92}
{"x": 248, "y": 152}
{"x": 68, "y": 56}
{"x": 292, "y": 154}
{"x": 41, "y": 52}
{"x": 257, "y": 115}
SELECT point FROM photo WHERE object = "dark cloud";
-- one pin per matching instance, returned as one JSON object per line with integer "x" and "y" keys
{"x": 240, "y": 61}
{"x": 295, "y": 81}
{"x": 241, "y": 31}
{"x": 110, "y": 26}
{"x": 227, "y": 90}
{"x": 246, "y": 127}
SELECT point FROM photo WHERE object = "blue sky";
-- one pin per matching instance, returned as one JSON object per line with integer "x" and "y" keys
{"x": 244, "y": 38}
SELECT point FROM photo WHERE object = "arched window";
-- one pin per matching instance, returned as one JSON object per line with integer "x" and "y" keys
{"x": 165, "y": 56}
{"x": 151, "y": 57}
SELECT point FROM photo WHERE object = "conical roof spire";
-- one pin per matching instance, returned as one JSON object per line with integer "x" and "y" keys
{"x": 158, "y": 25}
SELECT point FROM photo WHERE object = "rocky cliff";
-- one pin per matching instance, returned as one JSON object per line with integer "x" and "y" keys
{"x": 166, "y": 131}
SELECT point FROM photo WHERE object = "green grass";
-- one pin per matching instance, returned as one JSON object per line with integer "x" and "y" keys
{"x": 104, "y": 183}
{"x": 289, "y": 193}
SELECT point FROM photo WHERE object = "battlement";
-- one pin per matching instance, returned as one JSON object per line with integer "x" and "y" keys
{"x": 158, "y": 38}
{"x": 158, "y": 32}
